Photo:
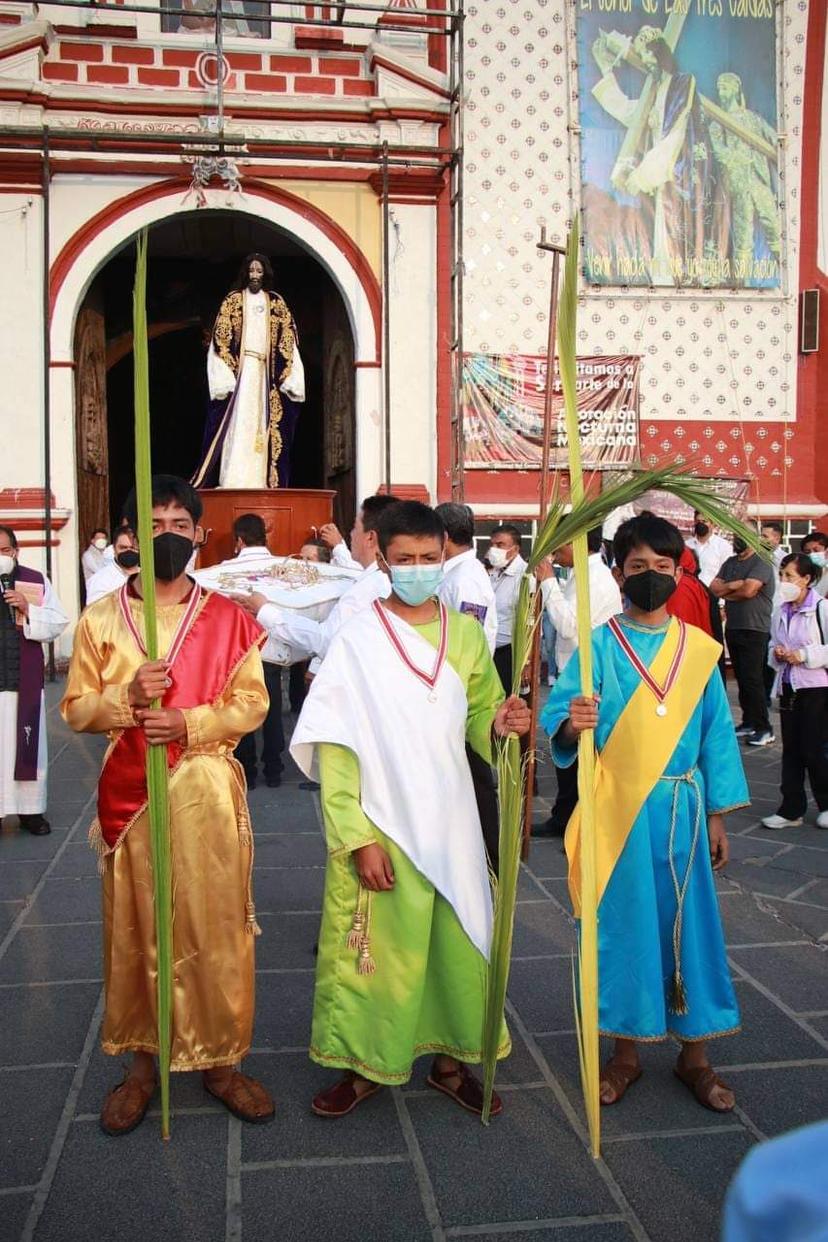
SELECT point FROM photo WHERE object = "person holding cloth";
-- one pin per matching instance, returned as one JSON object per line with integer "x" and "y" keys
{"x": 798, "y": 655}
{"x": 508, "y": 567}
{"x": 746, "y": 584}
{"x": 667, "y": 770}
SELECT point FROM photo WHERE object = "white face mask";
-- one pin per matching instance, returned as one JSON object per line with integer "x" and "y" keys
{"x": 7, "y": 564}
{"x": 100, "y": 544}
{"x": 789, "y": 592}
{"x": 498, "y": 557}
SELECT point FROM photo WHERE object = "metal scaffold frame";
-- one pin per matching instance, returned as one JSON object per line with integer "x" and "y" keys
{"x": 457, "y": 90}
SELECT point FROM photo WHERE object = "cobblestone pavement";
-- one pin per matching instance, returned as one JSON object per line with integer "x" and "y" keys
{"x": 408, "y": 1165}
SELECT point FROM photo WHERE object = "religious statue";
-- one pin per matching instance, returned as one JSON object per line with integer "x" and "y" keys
{"x": 256, "y": 382}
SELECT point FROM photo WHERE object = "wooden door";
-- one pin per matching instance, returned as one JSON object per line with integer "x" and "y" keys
{"x": 338, "y": 412}
{"x": 92, "y": 449}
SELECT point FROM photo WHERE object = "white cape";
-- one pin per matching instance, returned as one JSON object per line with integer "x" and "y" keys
{"x": 415, "y": 783}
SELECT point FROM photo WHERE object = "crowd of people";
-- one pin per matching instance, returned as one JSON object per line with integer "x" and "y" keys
{"x": 419, "y": 646}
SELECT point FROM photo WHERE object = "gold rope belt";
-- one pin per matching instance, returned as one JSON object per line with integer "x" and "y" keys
{"x": 678, "y": 1003}
{"x": 253, "y": 353}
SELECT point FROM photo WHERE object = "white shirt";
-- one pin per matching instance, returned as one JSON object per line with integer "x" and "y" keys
{"x": 92, "y": 560}
{"x": 712, "y": 555}
{"x": 466, "y": 588}
{"x": 107, "y": 579}
{"x": 561, "y": 605}
{"x": 341, "y": 556}
{"x": 506, "y": 584}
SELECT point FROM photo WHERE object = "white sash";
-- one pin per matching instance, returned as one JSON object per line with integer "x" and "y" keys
{"x": 415, "y": 783}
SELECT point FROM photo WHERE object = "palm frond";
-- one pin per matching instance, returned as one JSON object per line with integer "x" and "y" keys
{"x": 157, "y": 768}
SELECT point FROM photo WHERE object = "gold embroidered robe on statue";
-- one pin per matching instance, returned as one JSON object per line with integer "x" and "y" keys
{"x": 213, "y": 989}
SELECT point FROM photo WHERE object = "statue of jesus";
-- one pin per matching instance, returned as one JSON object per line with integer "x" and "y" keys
{"x": 256, "y": 382}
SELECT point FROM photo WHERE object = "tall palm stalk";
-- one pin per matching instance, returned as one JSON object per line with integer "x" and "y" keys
{"x": 157, "y": 769}
{"x": 571, "y": 526}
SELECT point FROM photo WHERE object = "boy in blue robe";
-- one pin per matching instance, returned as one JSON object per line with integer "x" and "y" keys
{"x": 668, "y": 768}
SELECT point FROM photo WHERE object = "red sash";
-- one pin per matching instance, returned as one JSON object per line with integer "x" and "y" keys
{"x": 205, "y": 658}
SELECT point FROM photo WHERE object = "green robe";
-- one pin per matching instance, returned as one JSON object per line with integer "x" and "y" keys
{"x": 428, "y": 992}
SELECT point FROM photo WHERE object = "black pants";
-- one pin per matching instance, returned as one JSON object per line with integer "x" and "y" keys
{"x": 567, "y": 798}
{"x": 273, "y": 733}
{"x": 749, "y": 656}
{"x": 485, "y": 792}
{"x": 804, "y": 718}
{"x": 297, "y": 688}
{"x": 503, "y": 664}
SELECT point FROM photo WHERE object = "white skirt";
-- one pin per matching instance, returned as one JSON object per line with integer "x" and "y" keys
{"x": 20, "y": 797}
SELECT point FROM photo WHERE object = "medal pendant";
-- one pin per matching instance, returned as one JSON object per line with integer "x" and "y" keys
{"x": 432, "y": 698}
{"x": 661, "y": 710}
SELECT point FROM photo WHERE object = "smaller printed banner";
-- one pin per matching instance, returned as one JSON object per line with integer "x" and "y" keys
{"x": 503, "y": 396}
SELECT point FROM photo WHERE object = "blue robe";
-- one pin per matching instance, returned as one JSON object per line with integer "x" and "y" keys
{"x": 636, "y": 961}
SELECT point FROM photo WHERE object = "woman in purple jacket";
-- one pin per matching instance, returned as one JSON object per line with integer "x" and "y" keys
{"x": 799, "y": 655}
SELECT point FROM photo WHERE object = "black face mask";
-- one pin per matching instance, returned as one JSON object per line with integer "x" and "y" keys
{"x": 739, "y": 546}
{"x": 172, "y": 553}
{"x": 650, "y": 590}
{"x": 702, "y": 530}
{"x": 127, "y": 559}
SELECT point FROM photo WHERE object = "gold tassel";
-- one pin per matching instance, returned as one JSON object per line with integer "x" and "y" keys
{"x": 357, "y": 927}
{"x": 251, "y": 925}
{"x": 678, "y": 1002}
{"x": 365, "y": 963}
{"x": 97, "y": 843}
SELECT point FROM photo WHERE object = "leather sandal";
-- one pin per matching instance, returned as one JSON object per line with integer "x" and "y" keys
{"x": 702, "y": 1081}
{"x": 620, "y": 1076}
{"x": 126, "y": 1106}
{"x": 245, "y": 1098}
{"x": 343, "y": 1097}
{"x": 468, "y": 1094}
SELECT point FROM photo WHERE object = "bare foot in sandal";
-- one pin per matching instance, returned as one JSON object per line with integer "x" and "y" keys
{"x": 620, "y": 1072}
{"x": 698, "y": 1075}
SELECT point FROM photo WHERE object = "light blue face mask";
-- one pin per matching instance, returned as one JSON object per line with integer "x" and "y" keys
{"x": 414, "y": 584}
{"x": 818, "y": 558}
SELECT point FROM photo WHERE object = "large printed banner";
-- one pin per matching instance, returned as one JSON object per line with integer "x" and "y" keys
{"x": 679, "y": 145}
{"x": 503, "y": 396}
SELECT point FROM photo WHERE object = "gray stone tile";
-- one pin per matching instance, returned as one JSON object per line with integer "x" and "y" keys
{"x": 542, "y": 928}
{"x": 677, "y": 1186}
{"x": 546, "y": 858}
{"x": 801, "y": 918}
{"x": 17, "y": 879}
{"x": 542, "y": 993}
{"x": 613, "y": 1231}
{"x": 298, "y": 1134}
{"x": 299, "y": 889}
{"x": 658, "y": 1101}
{"x": 45, "y": 1024}
{"x": 819, "y": 1024}
{"x": 454, "y": 1142}
{"x": 38, "y": 954}
{"x": 32, "y": 1105}
{"x": 333, "y": 1205}
{"x": 78, "y": 860}
{"x": 286, "y": 942}
{"x": 14, "y": 1210}
{"x": 287, "y": 809}
{"x": 17, "y": 846}
{"x": 754, "y": 920}
{"x": 798, "y": 974}
{"x": 766, "y": 1034}
{"x": 809, "y": 864}
{"x": 290, "y": 850}
{"x": 762, "y": 878}
{"x": 67, "y": 900}
{"x": 9, "y": 911}
{"x": 754, "y": 847}
{"x": 781, "y": 1099}
{"x": 283, "y": 1011}
{"x": 180, "y": 1185}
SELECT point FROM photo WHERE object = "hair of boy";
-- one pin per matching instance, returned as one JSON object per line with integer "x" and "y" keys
{"x": 98, "y": 530}
{"x": 692, "y": 552}
{"x": 322, "y": 548}
{"x": 595, "y": 540}
{"x": 372, "y": 507}
{"x": 251, "y": 530}
{"x": 506, "y": 528}
{"x": 119, "y": 531}
{"x": 647, "y": 531}
{"x": 802, "y": 563}
{"x": 775, "y": 526}
{"x": 409, "y": 517}
{"x": 816, "y": 536}
{"x": 10, "y": 535}
{"x": 458, "y": 521}
{"x": 167, "y": 489}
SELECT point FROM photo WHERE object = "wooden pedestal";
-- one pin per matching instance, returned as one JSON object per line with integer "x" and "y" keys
{"x": 289, "y": 515}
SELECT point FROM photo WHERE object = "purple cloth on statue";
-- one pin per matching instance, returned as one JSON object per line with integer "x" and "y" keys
{"x": 29, "y": 693}
{"x": 212, "y": 461}
{"x": 287, "y": 427}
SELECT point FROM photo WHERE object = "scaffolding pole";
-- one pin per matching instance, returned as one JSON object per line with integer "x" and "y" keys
{"x": 456, "y": 89}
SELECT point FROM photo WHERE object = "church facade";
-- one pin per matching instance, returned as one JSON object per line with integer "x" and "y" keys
{"x": 402, "y": 223}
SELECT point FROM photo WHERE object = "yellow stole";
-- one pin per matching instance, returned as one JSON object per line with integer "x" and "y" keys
{"x": 638, "y": 750}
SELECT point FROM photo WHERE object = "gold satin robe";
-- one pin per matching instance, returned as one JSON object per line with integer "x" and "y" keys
{"x": 212, "y": 854}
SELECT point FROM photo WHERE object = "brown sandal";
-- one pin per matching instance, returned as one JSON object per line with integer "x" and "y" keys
{"x": 701, "y": 1082}
{"x": 620, "y": 1076}
{"x": 126, "y": 1106}
{"x": 469, "y": 1094}
{"x": 245, "y": 1098}
{"x": 343, "y": 1097}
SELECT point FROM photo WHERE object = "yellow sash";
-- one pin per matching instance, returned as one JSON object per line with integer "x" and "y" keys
{"x": 637, "y": 752}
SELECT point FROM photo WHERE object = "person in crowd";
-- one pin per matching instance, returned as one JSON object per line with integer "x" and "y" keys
{"x": 711, "y": 549}
{"x": 668, "y": 768}
{"x": 466, "y": 586}
{"x": 30, "y": 615}
{"x": 407, "y": 914}
{"x": 746, "y": 584}
{"x": 694, "y": 603}
{"x": 815, "y": 545}
{"x": 508, "y": 567}
{"x": 93, "y": 558}
{"x": 331, "y": 536}
{"x": 212, "y": 692}
{"x": 561, "y": 606}
{"x": 318, "y": 553}
{"x": 780, "y": 1193}
{"x": 250, "y": 546}
{"x": 113, "y": 574}
{"x": 798, "y": 654}
{"x": 772, "y": 535}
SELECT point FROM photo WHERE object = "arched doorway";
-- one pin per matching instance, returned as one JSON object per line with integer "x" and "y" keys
{"x": 193, "y": 261}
